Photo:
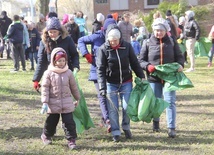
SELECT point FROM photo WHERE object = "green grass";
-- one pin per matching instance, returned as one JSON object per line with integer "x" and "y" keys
{"x": 21, "y": 123}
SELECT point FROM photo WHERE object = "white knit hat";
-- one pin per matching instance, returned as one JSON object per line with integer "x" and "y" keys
{"x": 100, "y": 17}
{"x": 160, "y": 24}
{"x": 113, "y": 34}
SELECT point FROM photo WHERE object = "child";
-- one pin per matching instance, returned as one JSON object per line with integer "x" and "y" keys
{"x": 136, "y": 46}
{"x": 58, "y": 85}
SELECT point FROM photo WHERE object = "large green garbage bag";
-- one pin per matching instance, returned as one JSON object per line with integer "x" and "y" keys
{"x": 143, "y": 105}
{"x": 202, "y": 47}
{"x": 174, "y": 80}
{"x": 81, "y": 114}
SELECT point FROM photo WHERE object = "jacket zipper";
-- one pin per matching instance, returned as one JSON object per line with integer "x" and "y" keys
{"x": 161, "y": 54}
{"x": 121, "y": 78}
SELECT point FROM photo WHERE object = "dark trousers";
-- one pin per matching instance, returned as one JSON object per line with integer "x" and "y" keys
{"x": 69, "y": 125}
{"x": 17, "y": 53}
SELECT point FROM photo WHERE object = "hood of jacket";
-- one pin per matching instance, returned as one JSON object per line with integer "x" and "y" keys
{"x": 52, "y": 66}
{"x": 111, "y": 27}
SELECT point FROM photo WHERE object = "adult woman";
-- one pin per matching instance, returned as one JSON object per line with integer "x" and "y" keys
{"x": 115, "y": 62}
{"x": 161, "y": 49}
{"x": 80, "y": 22}
{"x": 54, "y": 36}
{"x": 96, "y": 40}
{"x": 73, "y": 29}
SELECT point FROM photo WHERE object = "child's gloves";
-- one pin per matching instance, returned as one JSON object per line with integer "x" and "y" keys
{"x": 151, "y": 68}
{"x": 44, "y": 108}
{"x": 88, "y": 58}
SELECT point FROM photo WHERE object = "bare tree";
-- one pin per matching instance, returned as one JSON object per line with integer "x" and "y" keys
{"x": 42, "y": 6}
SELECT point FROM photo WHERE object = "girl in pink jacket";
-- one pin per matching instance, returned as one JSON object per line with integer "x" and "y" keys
{"x": 58, "y": 87}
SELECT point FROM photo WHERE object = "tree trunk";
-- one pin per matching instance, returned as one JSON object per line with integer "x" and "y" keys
{"x": 42, "y": 6}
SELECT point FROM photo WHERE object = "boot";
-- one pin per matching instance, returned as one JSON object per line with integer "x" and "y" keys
{"x": 156, "y": 127}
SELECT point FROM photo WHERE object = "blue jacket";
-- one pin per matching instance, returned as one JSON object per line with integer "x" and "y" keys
{"x": 136, "y": 47}
{"x": 15, "y": 32}
{"x": 95, "y": 40}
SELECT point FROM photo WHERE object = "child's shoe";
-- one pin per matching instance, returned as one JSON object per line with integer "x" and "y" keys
{"x": 209, "y": 64}
{"x": 46, "y": 140}
{"x": 72, "y": 144}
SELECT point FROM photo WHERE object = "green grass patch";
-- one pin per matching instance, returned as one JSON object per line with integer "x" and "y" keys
{"x": 21, "y": 123}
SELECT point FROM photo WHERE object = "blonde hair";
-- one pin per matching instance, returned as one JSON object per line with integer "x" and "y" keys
{"x": 157, "y": 14}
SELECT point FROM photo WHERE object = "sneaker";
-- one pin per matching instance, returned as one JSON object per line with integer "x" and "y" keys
{"x": 116, "y": 138}
{"x": 72, "y": 144}
{"x": 46, "y": 140}
{"x": 14, "y": 71}
{"x": 190, "y": 70}
{"x": 32, "y": 69}
{"x": 209, "y": 64}
{"x": 24, "y": 70}
{"x": 156, "y": 126}
{"x": 171, "y": 133}
{"x": 128, "y": 134}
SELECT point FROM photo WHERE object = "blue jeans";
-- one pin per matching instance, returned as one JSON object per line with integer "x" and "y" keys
{"x": 103, "y": 104}
{"x": 210, "y": 55}
{"x": 170, "y": 97}
{"x": 32, "y": 57}
{"x": 114, "y": 91}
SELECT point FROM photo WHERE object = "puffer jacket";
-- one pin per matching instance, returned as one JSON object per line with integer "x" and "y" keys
{"x": 151, "y": 53}
{"x": 58, "y": 86}
{"x": 96, "y": 40}
{"x": 115, "y": 66}
{"x": 126, "y": 29}
{"x": 191, "y": 29}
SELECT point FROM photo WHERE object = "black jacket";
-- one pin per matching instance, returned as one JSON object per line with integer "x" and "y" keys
{"x": 15, "y": 33}
{"x": 73, "y": 30}
{"x": 151, "y": 54}
{"x": 35, "y": 38}
{"x": 65, "y": 42}
{"x": 115, "y": 66}
{"x": 191, "y": 29}
{"x": 4, "y": 24}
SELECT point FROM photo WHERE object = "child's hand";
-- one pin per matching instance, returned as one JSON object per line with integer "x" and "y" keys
{"x": 76, "y": 103}
{"x": 44, "y": 108}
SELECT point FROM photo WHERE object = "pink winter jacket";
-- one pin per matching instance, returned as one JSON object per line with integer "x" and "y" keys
{"x": 58, "y": 86}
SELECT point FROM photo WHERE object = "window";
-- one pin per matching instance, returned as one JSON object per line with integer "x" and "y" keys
{"x": 149, "y": 4}
{"x": 119, "y": 4}
{"x": 101, "y": 1}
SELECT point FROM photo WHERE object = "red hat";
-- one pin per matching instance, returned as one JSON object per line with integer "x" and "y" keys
{"x": 60, "y": 54}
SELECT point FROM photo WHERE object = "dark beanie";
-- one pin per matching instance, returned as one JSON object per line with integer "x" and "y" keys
{"x": 109, "y": 16}
{"x": 168, "y": 13}
{"x": 52, "y": 14}
{"x": 107, "y": 22}
{"x": 53, "y": 24}
{"x": 4, "y": 13}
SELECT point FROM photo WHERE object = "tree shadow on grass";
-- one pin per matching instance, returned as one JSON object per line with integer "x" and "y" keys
{"x": 20, "y": 133}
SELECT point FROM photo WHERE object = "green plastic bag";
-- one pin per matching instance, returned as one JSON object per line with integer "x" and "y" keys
{"x": 81, "y": 114}
{"x": 202, "y": 47}
{"x": 143, "y": 105}
{"x": 174, "y": 80}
